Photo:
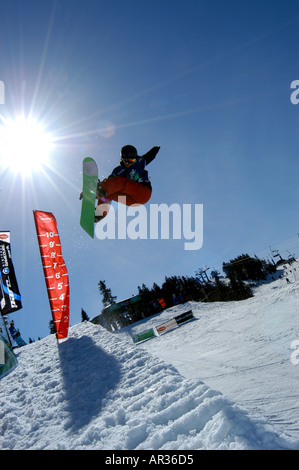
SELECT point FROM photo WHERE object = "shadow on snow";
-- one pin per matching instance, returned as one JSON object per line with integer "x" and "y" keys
{"x": 89, "y": 375}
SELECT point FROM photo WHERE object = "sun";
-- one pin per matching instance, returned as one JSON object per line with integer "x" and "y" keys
{"x": 25, "y": 146}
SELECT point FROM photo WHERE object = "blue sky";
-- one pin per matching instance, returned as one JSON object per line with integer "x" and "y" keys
{"x": 208, "y": 81}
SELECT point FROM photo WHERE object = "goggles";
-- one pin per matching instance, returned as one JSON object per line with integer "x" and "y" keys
{"x": 129, "y": 160}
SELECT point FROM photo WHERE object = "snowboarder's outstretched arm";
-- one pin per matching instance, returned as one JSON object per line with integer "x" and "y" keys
{"x": 150, "y": 155}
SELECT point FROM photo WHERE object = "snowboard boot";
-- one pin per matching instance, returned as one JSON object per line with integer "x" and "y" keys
{"x": 98, "y": 218}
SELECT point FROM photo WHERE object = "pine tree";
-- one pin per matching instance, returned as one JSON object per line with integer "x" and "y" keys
{"x": 84, "y": 315}
{"x": 246, "y": 268}
{"x": 144, "y": 290}
{"x": 108, "y": 298}
{"x": 239, "y": 290}
{"x": 51, "y": 327}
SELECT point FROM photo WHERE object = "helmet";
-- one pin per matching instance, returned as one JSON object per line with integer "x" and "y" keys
{"x": 128, "y": 154}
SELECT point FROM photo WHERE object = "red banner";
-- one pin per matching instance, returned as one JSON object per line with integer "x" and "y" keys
{"x": 56, "y": 275}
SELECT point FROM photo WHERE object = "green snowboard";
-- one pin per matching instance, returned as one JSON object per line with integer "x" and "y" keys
{"x": 90, "y": 179}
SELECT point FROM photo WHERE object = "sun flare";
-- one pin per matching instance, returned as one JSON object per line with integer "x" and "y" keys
{"x": 24, "y": 145}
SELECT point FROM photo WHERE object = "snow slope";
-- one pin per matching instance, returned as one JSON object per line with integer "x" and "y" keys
{"x": 243, "y": 349}
{"x": 98, "y": 390}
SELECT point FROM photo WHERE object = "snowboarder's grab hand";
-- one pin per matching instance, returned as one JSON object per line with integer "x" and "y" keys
{"x": 129, "y": 179}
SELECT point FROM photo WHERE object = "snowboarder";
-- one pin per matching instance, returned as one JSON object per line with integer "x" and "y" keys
{"x": 129, "y": 179}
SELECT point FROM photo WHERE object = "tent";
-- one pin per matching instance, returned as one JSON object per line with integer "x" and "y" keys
{"x": 8, "y": 360}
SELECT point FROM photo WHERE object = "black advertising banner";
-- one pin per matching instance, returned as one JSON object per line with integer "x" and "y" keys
{"x": 186, "y": 316}
{"x": 10, "y": 298}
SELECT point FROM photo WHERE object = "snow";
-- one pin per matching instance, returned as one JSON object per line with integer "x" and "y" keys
{"x": 224, "y": 380}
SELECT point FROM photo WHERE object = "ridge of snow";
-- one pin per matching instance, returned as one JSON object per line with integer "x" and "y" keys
{"x": 98, "y": 390}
